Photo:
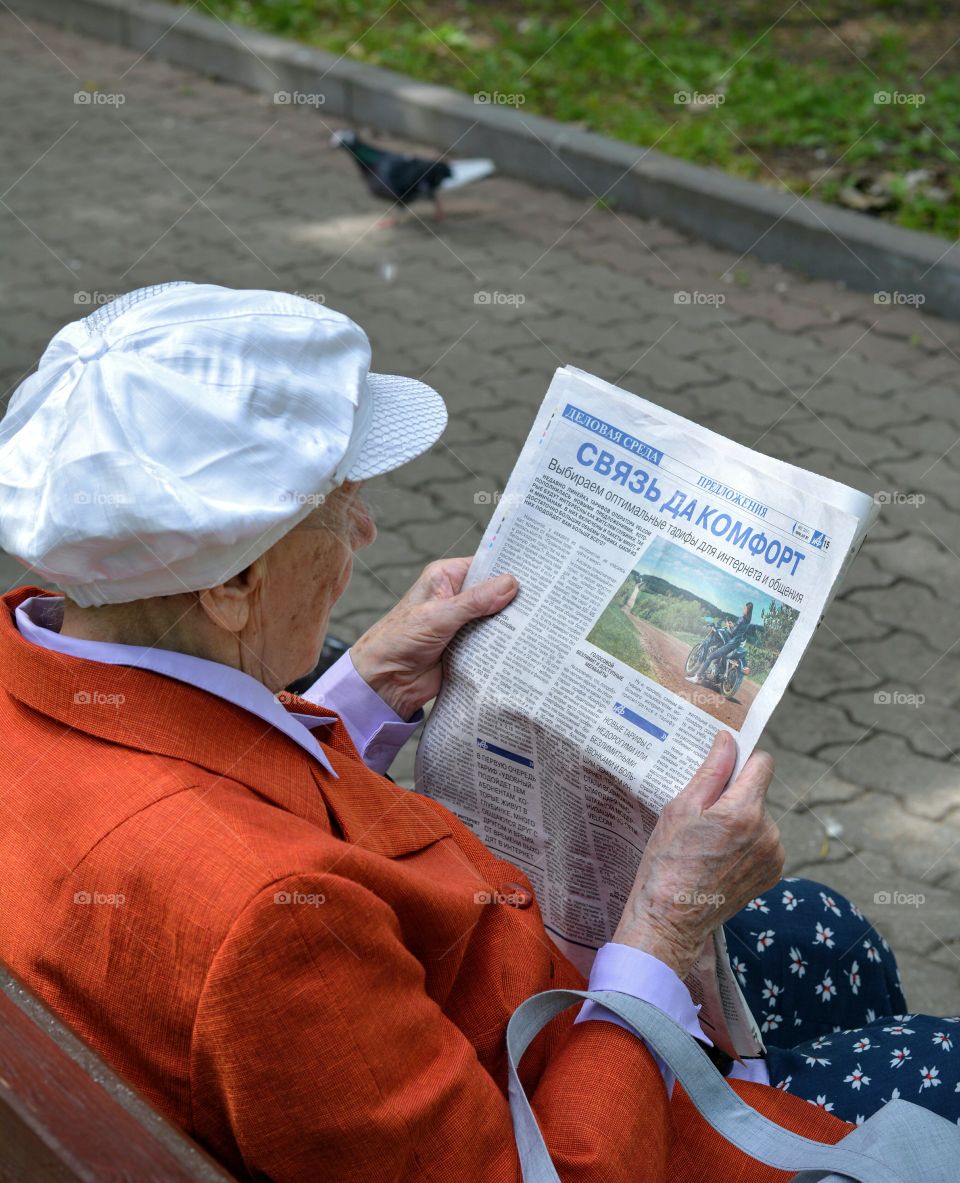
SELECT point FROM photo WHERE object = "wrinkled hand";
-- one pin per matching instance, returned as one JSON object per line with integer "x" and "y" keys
{"x": 710, "y": 853}
{"x": 400, "y": 656}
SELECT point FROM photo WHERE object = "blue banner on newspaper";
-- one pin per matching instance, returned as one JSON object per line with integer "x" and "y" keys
{"x": 622, "y": 438}
{"x": 486, "y": 746}
{"x": 639, "y": 721}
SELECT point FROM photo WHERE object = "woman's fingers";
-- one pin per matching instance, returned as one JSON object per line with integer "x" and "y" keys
{"x": 707, "y": 783}
{"x": 441, "y": 579}
{"x": 444, "y": 617}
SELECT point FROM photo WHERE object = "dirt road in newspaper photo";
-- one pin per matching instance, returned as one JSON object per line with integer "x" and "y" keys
{"x": 667, "y": 655}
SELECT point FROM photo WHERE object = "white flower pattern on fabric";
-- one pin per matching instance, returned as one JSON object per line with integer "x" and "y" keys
{"x": 826, "y": 989}
{"x": 856, "y": 1078}
{"x": 764, "y": 939}
{"x": 827, "y": 999}
{"x": 770, "y": 992}
{"x": 824, "y": 936}
{"x": 830, "y": 903}
{"x": 739, "y": 969}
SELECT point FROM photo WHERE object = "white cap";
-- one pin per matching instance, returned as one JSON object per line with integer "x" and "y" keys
{"x": 174, "y": 435}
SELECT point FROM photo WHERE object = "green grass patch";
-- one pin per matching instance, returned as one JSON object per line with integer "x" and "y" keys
{"x": 790, "y": 91}
{"x": 614, "y": 634}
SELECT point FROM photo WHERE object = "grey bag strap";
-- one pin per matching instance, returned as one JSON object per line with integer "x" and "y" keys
{"x": 938, "y": 1146}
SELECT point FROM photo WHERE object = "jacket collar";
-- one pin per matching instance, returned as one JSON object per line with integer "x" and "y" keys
{"x": 39, "y": 620}
{"x": 149, "y": 712}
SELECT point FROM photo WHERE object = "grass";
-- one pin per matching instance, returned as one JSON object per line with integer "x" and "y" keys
{"x": 614, "y": 634}
{"x": 793, "y": 85}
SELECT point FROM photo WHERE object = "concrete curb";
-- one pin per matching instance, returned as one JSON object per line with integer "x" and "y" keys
{"x": 742, "y": 216}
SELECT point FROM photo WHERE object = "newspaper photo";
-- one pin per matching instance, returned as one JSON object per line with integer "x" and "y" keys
{"x": 670, "y": 580}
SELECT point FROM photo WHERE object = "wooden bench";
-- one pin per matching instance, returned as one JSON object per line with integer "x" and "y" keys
{"x": 65, "y": 1117}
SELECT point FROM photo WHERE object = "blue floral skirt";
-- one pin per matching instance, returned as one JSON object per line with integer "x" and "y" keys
{"x": 824, "y": 987}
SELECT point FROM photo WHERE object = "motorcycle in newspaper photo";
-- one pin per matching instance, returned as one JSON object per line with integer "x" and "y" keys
{"x": 727, "y": 671}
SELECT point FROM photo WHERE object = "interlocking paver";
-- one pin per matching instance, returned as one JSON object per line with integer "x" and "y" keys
{"x": 110, "y": 198}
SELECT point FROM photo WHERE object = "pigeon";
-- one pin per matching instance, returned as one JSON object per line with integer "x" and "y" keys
{"x": 405, "y": 179}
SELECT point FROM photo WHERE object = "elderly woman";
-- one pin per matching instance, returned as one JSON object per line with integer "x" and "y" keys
{"x": 214, "y": 884}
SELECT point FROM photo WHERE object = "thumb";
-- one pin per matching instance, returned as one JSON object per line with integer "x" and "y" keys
{"x": 752, "y": 783}
{"x": 707, "y": 783}
{"x": 483, "y": 599}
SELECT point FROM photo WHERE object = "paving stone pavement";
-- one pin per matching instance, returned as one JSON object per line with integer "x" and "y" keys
{"x": 192, "y": 179}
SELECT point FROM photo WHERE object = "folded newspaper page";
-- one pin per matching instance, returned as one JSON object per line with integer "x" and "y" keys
{"x": 670, "y": 580}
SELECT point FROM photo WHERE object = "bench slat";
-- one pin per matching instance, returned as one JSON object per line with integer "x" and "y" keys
{"x": 66, "y": 1117}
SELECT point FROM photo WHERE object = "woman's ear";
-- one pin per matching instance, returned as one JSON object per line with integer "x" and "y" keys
{"x": 230, "y": 605}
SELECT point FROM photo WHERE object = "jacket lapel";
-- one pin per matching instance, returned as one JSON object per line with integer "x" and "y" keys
{"x": 148, "y": 712}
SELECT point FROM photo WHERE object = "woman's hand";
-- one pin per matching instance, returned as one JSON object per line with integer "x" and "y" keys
{"x": 399, "y": 657}
{"x": 711, "y": 852}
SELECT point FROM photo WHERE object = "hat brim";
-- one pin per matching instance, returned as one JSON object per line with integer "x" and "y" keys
{"x": 406, "y": 418}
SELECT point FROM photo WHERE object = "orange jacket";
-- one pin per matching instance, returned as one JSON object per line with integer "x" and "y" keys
{"x": 302, "y": 971}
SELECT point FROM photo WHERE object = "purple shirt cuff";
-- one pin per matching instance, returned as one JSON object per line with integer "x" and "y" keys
{"x": 625, "y": 970}
{"x": 377, "y": 731}
{"x": 755, "y": 1070}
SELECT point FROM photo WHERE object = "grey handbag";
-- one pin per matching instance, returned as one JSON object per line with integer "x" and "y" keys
{"x": 901, "y": 1143}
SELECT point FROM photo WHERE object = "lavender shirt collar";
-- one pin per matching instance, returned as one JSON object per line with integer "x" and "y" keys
{"x": 39, "y": 620}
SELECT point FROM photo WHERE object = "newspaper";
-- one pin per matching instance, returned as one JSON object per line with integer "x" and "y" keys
{"x": 568, "y": 721}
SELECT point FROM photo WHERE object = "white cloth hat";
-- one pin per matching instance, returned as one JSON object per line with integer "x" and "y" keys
{"x": 172, "y": 436}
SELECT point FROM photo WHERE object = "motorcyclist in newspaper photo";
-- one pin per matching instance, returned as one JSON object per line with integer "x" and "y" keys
{"x": 740, "y": 632}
